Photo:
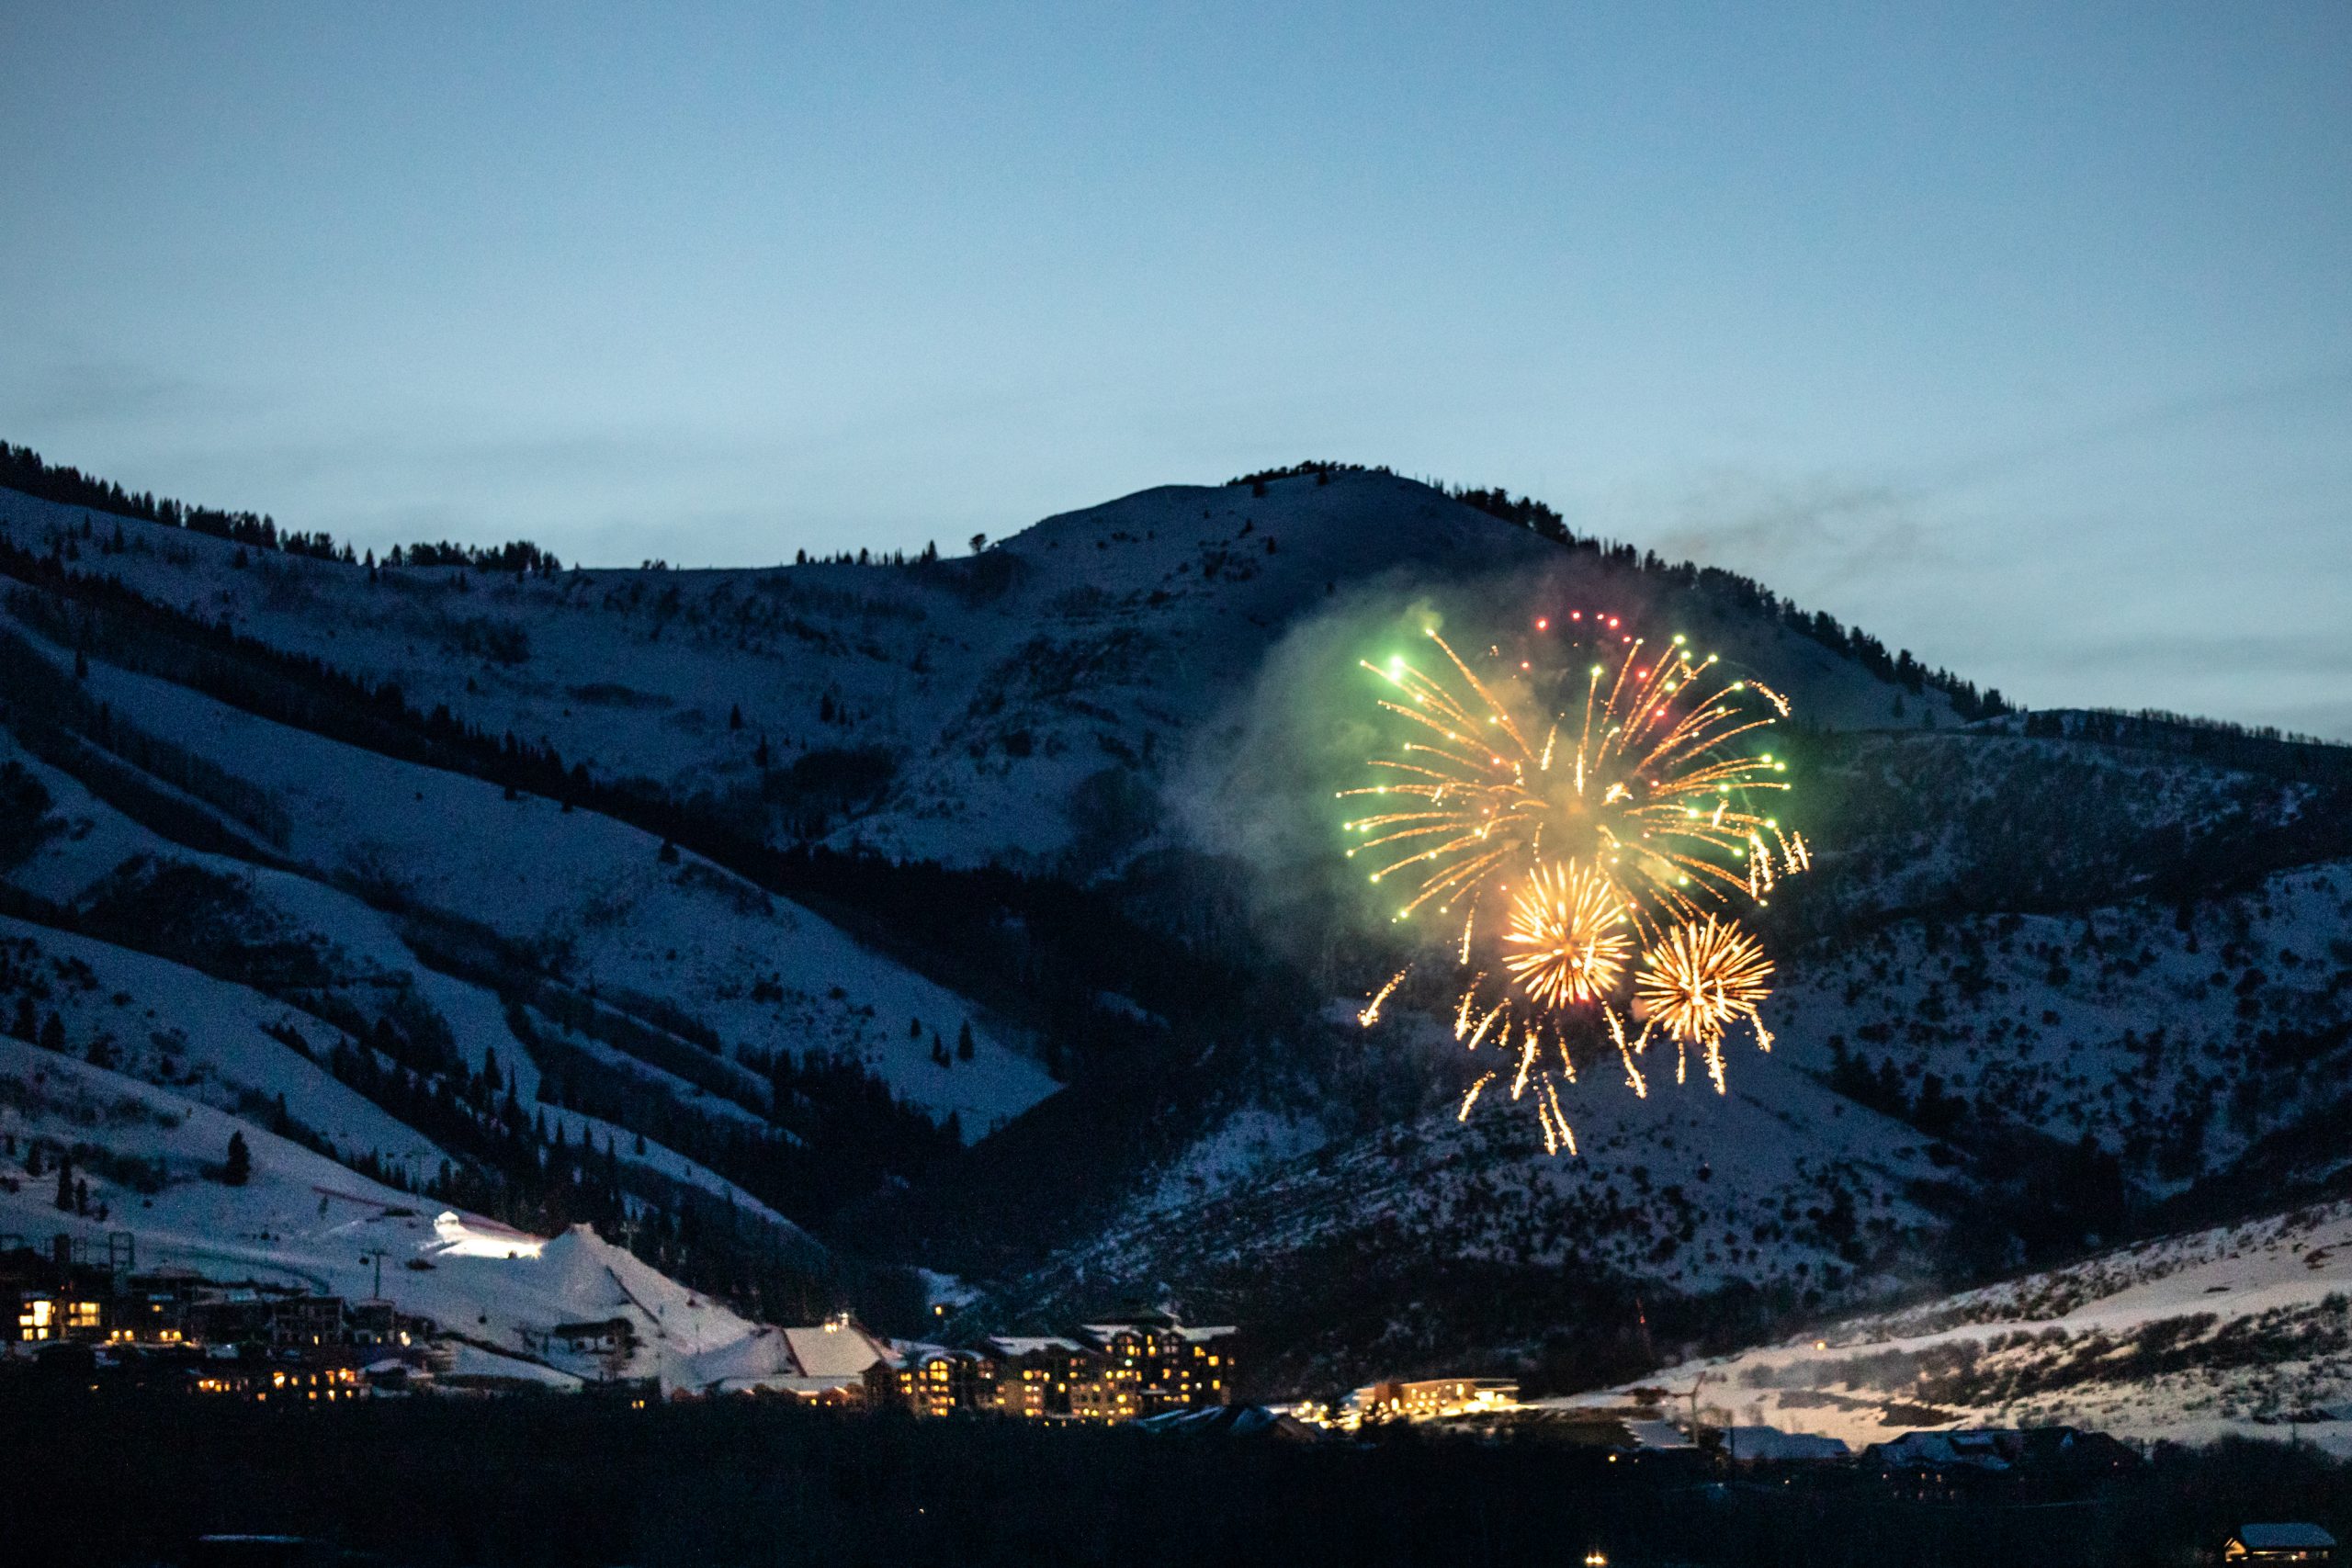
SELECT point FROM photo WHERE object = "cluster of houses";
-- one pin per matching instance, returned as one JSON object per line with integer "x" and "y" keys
{"x": 1945, "y": 1466}
{"x": 64, "y": 1310}
{"x": 64, "y": 1307}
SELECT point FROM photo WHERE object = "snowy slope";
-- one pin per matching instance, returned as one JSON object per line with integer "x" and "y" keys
{"x": 1780, "y": 1186}
{"x": 2244, "y": 1329}
{"x": 306, "y": 1222}
{"x": 2177, "y": 1041}
{"x": 207, "y": 1038}
{"x": 2178, "y": 1044}
{"x": 185, "y": 1029}
{"x": 595, "y": 897}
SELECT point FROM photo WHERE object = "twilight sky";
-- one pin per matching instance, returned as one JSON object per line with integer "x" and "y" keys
{"x": 2021, "y": 336}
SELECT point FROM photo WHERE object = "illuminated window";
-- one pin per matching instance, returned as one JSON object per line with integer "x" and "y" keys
{"x": 36, "y": 1320}
{"x": 83, "y": 1314}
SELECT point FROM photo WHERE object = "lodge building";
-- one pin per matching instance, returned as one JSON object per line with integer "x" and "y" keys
{"x": 1107, "y": 1372}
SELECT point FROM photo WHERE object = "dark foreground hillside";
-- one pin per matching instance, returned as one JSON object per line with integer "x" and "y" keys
{"x": 569, "y": 1482}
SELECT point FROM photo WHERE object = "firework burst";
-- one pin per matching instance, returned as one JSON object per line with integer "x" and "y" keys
{"x": 1702, "y": 977}
{"x": 1596, "y": 801}
{"x": 1639, "y": 781}
{"x": 1565, "y": 941}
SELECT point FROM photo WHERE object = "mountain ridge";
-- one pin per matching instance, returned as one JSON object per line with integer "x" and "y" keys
{"x": 993, "y": 773}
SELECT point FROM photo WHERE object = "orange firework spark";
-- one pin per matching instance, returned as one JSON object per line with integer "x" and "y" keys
{"x": 1565, "y": 942}
{"x": 1371, "y": 1014}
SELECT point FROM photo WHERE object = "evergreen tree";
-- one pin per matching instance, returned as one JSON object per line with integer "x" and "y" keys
{"x": 65, "y": 1183}
{"x": 240, "y": 1166}
{"x": 24, "y": 1027}
{"x": 964, "y": 1042}
{"x": 735, "y": 717}
{"x": 52, "y": 1033}
{"x": 33, "y": 1166}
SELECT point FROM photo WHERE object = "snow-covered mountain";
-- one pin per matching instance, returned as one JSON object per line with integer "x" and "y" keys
{"x": 974, "y": 913}
{"x": 1096, "y": 639}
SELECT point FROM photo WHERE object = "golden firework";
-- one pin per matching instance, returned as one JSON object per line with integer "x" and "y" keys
{"x": 1611, "y": 805}
{"x": 1701, "y": 978}
{"x": 1640, "y": 784}
{"x": 1565, "y": 941}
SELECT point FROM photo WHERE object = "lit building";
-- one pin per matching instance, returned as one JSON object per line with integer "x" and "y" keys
{"x": 931, "y": 1380}
{"x": 1165, "y": 1365}
{"x": 2300, "y": 1543}
{"x": 1035, "y": 1373}
{"x": 1427, "y": 1399}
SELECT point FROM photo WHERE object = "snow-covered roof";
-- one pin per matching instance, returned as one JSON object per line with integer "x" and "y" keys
{"x": 2284, "y": 1536}
{"x": 1936, "y": 1450}
{"x": 1030, "y": 1345}
{"x": 1160, "y": 1323}
{"x": 1658, "y": 1435}
{"x": 473, "y": 1361}
{"x": 833, "y": 1350}
{"x": 787, "y": 1382}
{"x": 1771, "y": 1443}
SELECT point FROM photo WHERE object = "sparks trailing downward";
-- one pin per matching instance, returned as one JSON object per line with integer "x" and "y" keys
{"x": 1593, "y": 804}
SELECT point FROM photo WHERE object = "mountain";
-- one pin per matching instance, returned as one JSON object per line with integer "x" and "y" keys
{"x": 981, "y": 915}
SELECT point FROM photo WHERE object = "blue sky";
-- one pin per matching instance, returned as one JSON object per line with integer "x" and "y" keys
{"x": 2021, "y": 336}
